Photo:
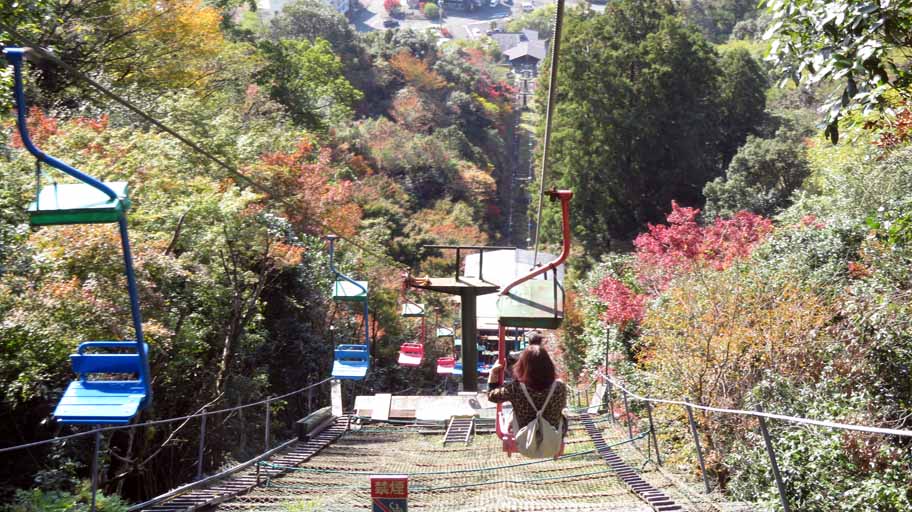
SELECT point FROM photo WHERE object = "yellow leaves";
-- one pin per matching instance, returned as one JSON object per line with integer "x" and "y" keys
{"x": 490, "y": 108}
{"x": 715, "y": 334}
{"x": 479, "y": 185}
{"x": 174, "y": 40}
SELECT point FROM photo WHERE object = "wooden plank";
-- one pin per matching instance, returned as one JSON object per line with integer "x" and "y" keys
{"x": 381, "y": 408}
{"x": 336, "y": 396}
{"x": 597, "y": 398}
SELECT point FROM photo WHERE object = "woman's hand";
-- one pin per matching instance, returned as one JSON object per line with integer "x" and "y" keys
{"x": 494, "y": 376}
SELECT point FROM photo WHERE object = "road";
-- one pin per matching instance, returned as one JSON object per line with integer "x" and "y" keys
{"x": 462, "y": 25}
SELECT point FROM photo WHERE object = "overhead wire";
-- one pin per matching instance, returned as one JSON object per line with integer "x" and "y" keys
{"x": 549, "y": 114}
{"x": 231, "y": 170}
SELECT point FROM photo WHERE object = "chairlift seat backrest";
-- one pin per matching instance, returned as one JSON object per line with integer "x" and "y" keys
{"x": 351, "y": 362}
{"x": 445, "y": 365}
{"x": 103, "y": 402}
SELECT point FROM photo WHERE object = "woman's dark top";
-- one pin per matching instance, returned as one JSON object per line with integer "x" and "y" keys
{"x": 522, "y": 410}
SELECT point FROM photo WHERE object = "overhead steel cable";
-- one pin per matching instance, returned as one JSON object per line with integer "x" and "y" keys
{"x": 549, "y": 113}
{"x": 231, "y": 170}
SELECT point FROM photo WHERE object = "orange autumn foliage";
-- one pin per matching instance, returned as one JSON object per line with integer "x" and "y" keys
{"x": 417, "y": 72}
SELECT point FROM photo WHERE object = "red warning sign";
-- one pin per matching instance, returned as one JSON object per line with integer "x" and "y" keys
{"x": 389, "y": 493}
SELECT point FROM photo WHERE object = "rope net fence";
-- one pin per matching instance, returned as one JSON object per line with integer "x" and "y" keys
{"x": 455, "y": 478}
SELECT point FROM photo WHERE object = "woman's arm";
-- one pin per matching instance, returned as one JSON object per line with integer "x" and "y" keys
{"x": 497, "y": 393}
{"x": 500, "y": 394}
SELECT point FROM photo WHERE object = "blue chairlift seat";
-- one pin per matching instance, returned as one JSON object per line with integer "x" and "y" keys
{"x": 103, "y": 402}
{"x": 78, "y": 203}
{"x": 351, "y": 362}
{"x": 348, "y": 292}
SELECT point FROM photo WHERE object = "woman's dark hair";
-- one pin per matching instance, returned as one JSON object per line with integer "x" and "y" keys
{"x": 535, "y": 368}
{"x": 536, "y": 338}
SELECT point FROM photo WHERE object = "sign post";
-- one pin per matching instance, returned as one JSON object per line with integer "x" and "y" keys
{"x": 389, "y": 493}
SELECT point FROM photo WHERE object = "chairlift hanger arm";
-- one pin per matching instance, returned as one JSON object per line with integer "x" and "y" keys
{"x": 15, "y": 56}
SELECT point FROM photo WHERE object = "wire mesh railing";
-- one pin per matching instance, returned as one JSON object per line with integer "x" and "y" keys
{"x": 627, "y": 396}
{"x": 202, "y": 415}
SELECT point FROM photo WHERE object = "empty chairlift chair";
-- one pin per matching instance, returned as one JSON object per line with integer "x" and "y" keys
{"x": 530, "y": 303}
{"x": 445, "y": 365}
{"x": 114, "y": 377}
{"x": 350, "y": 361}
{"x": 411, "y": 354}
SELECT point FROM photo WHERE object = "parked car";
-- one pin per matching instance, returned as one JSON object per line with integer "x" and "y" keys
{"x": 528, "y": 7}
{"x": 390, "y": 23}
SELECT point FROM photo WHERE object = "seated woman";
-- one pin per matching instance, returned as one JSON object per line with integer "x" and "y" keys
{"x": 535, "y": 370}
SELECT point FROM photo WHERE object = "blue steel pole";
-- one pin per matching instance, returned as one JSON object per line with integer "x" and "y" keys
{"x": 134, "y": 306}
{"x": 14, "y": 56}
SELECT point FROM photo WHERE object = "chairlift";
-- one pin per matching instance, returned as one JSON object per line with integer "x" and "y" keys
{"x": 531, "y": 303}
{"x": 445, "y": 365}
{"x": 123, "y": 384}
{"x": 350, "y": 361}
{"x": 411, "y": 354}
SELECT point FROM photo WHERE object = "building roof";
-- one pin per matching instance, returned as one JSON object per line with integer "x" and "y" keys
{"x": 507, "y": 40}
{"x": 534, "y": 49}
{"x": 527, "y": 43}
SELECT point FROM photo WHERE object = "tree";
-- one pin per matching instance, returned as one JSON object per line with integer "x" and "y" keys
{"x": 864, "y": 46}
{"x": 540, "y": 20}
{"x": 717, "y": 18}
{"x": 307, "y": 79}
{"x": 761, "y": 176}
{"x": 742, "y": 97}
{"x": 636, "y": 120}
{"x": 431, "y": 10}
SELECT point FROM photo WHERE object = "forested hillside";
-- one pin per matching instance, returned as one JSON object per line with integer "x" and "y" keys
{"x": 760, "y": 165}
{"x": 742, "y": 221}
{"x": 386, "y": 139}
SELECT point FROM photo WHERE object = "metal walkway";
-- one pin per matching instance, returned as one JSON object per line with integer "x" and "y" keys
{"x": 656, "y": 499}
{"x": 460, "y": 430}
{"x": 246, "y": 480}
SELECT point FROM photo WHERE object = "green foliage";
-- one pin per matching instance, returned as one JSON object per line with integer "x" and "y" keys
{"x": 862, "y": 46}
{"x": 631, "y": 78}
{"x": 822, "y": 469}
{"x": 540, "y": 20}
{"x": 741, "y": 89}
{"x": 431, "y": 10}
{"x": 762, "y": 175}
{"x": 718, "y": 18}
{"x": 37, "y": 500}
{"x": 307, "y": 79}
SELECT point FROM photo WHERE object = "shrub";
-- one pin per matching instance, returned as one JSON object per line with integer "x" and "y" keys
{"x": 431, "y": 10}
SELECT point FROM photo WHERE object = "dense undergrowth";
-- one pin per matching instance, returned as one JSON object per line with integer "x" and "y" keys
{"x": 788, "y": 288}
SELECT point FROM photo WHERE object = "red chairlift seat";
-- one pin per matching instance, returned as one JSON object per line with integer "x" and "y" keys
{"x": 525, "y": 303}
{"x": 445, "y": 365}
{"x": 411, "y": 354}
